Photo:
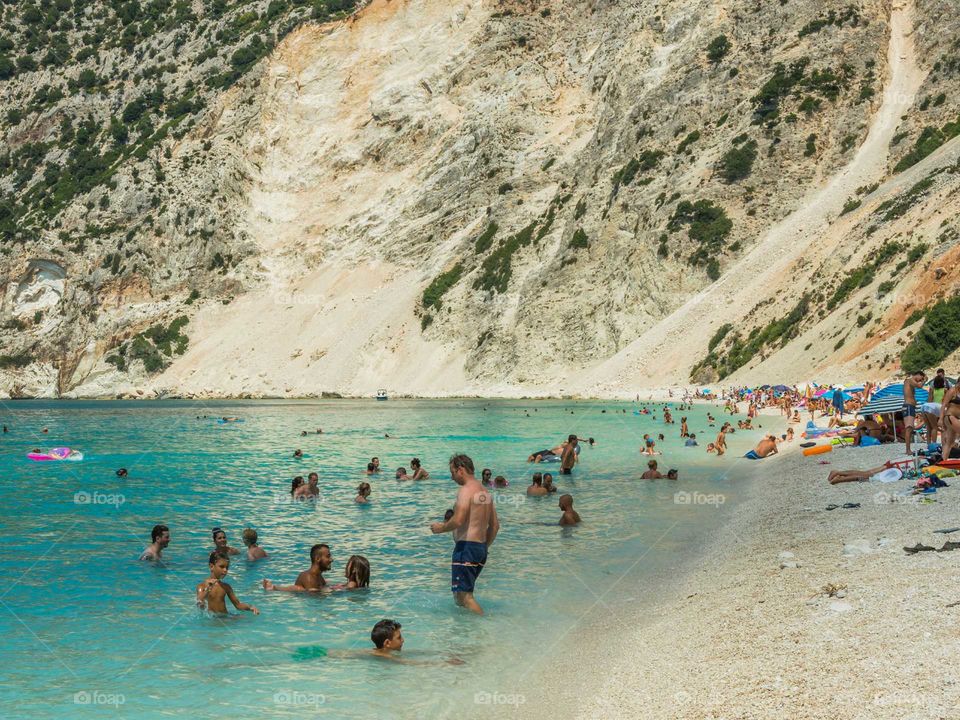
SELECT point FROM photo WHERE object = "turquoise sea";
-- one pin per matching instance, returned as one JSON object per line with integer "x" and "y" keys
{"x": 89, "y": 631}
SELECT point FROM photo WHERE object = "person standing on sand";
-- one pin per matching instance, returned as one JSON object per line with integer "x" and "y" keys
{"x": 910, "y": 387}
{"x": 474, "y": 525}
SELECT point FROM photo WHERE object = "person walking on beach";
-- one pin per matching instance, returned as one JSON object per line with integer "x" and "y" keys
{"x": 474, "y": 525}
{"x": 910, "y": 386}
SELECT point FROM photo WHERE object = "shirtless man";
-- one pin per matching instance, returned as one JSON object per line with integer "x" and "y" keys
{"x": 310, "y": 490}
{"x": 765, "y": 448}
{"x": 569, "y": 457}
{"x": 652, "y": 473}
{"x": 475, "y": 527}
{"x": 570, "y": 516}
{"x": 910, "y": 386}
{"x": 310, "y": 580}
{"x": 536, "y": 488}
{"x": 160, "y": 535}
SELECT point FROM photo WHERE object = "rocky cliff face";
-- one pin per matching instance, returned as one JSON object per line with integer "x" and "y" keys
{"x": 484, "y": 197}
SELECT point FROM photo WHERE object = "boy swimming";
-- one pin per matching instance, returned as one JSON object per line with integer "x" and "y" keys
{"x": 254, "y": 551}
{"x": 363, "y": 493}
{"x": 213, "y": 592}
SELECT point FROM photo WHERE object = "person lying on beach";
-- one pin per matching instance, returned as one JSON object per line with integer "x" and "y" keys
{"x": 363, "y": 493}
{"x": 401, "y": 474}
{"x": 536, "y": 488}
{"x": 764, "y": 448}
{"x": 310, "y": 580}
{"x": 220, "y": 542}
{"x": 357, "y": 573}
{"x": 844, "y": 476}
{"x": 213, "y": 592}
{"x": 486, "y": 477}
{"x": 309, "y": 491}
{"x": 570, "y": 516}
{"x": 418, "y": 472}
{"x": 160, "y": 538}
{"x": 651, "y": 472}
{"x": 254, "y": 551}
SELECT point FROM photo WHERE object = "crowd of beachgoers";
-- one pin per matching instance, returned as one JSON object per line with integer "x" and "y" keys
{"x": 836, "y": 417}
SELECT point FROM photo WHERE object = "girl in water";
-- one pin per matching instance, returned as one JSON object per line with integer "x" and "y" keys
{"x": 363, "y": 493}
{"x": 297, "y": 482}
{"x": 357, "y": 573}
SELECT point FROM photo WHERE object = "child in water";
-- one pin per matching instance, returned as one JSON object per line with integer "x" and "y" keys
{"x": 212, "y": 592}
{"x": 254, "y": 551}
{"x": 363, "y": 493}
{"x": 357, "y": 573}
{"x": 500, "y": 482}
{"x": 220, "y": 541}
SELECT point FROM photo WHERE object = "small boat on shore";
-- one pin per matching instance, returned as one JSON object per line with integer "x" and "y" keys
{"x": 382, "y": 394}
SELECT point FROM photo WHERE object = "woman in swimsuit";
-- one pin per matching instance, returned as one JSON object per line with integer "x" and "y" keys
{"x": 950, "y": 419}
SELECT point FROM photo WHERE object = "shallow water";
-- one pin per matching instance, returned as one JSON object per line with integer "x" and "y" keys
{"x": 88, "y": 629}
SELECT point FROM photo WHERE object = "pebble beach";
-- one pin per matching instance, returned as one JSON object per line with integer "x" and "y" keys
{"x": 794, "y": 611}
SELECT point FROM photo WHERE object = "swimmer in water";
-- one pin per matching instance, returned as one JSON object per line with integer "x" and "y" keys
{"x": 159, "y": 539}
{"x": 363, "y": 493}
{"x": 213, "y": 592}
{"x": 298, "y": 453}
{"x": 309, "y": 491}
{"x": 122, "y": 472}
{"x": 295, "y": 484}
{"x": 310, "y": 580}
{"x": 220, "y": 541}
{"x": 485, "y": 477}
{"x": 254, "y": 551}
{"x": 536, "y": 488}
{"x": 570, "y": 516}
{"x": 651, "y": 473}
{"x": 371, "y": 469}
{"x": 387, "y": 639}
{"x": 501, "y": 482}
{"x": 357, "y": 573}
{"x": 401, "y": 474}
{"x": 418, "y": 472}
{"x": 376, "y": 464}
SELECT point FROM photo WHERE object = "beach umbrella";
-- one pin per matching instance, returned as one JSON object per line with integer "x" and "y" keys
{"x": 889, "y": 400}
{"x": 781, "y": 388}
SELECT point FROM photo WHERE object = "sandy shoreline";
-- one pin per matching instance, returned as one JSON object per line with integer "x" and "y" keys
{"x": 737, "y": 636}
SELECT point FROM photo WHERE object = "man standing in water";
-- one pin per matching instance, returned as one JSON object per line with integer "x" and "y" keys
{"x": 569, "y": 456}
{"x": 475, "y": 527}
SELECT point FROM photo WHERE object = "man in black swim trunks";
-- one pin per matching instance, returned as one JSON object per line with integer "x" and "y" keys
{"x": 474, "y": 525}
{"x": 569, "y": 457}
